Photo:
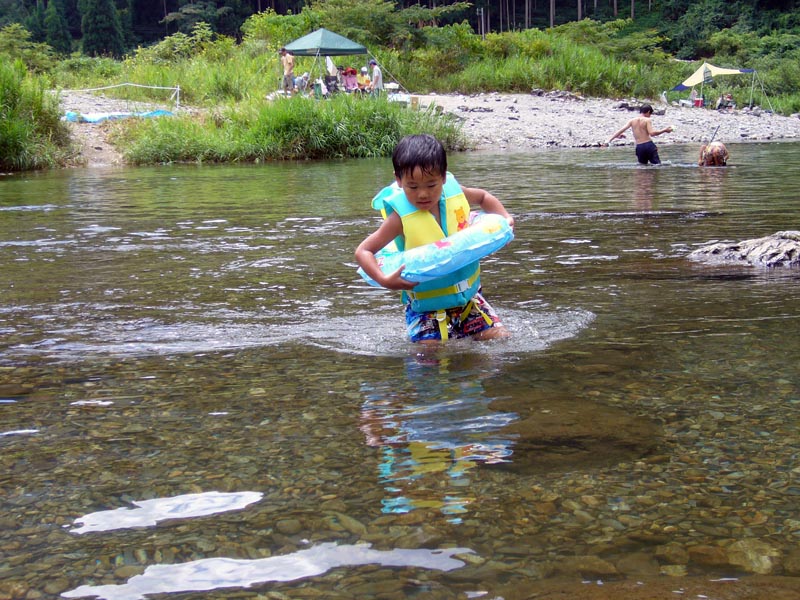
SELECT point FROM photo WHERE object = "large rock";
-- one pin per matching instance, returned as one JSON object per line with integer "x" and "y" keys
{"x": 781, "y": 249}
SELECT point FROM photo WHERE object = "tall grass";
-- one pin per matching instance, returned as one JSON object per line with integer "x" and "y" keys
{"x": 521, "y": 61}
{"x": 32, "y": 135}
{"x": 287, "y": 128}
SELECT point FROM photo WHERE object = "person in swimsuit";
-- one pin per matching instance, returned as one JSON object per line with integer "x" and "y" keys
{"x": 643, "y": 132}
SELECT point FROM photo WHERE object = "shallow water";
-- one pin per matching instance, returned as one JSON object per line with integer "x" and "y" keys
{"x": 194, "y": 380}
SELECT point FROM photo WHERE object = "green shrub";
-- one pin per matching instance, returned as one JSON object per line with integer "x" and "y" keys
{"x": 288, "y": 128}
{"x": 16, "y": 44}
{"x": 32, "y": 135}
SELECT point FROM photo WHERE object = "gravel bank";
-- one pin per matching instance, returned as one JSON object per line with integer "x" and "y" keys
{"x": 561, "y": 120}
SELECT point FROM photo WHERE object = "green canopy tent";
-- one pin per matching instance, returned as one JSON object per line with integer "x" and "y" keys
{"x": 323, "y": 42}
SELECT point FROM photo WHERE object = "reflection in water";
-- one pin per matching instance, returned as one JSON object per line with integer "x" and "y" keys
{"x": 439, "y": 423}
{"x": 643, "y": 188}
{"x": 217, "y": 573}
{"x": 150, "y": 512}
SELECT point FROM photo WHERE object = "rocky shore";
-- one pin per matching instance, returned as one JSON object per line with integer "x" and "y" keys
{"x": 562, "y": 120}
{"x": 514, "y": 122}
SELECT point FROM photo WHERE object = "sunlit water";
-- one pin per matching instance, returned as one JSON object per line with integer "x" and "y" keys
{"x": 198, "y": 393}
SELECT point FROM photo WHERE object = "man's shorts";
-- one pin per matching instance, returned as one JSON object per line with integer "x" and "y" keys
{"x": 647, "y": 152}
{"x": 425, "y": 326}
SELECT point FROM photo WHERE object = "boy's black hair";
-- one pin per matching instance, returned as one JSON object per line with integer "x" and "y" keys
{"x": 646, "y": 108}
{"x": 421, "y": 150}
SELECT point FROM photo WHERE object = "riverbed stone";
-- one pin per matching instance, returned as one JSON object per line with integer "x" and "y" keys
{"x": 791, "y": 563}
{"x": 574, "y": 433}
{"x": 753, "y": 556}
{"x": 585, "y": 566}
{"x": 708, "y": 556}
{"x": 781, "y": 249}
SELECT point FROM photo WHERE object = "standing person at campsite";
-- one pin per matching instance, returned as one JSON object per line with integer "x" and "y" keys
{"x": 287, "y": 60}
{"x": 643, "y": 131}
{"x": 376, "y": 85}
{"x": 363, "y": 79}
{"x": 426, "y": 205}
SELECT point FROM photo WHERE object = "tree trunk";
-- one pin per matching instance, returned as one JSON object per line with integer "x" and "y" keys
{"x": 552, "y": 13}
{"x": 580, "y": 10}
{"x": 633, "y": 2}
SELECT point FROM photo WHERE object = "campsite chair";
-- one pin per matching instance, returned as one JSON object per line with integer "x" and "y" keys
{"x": 332, "y": 83}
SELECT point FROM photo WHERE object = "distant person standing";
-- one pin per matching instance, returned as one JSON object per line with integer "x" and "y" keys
{"x": 643, "y": 130}
{"x": 287, "y": 60}
{"x": 376, "y": 84}
{"x": 363, "y": 79}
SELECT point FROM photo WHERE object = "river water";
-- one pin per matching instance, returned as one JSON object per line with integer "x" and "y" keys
{"x": 198, "y": 394}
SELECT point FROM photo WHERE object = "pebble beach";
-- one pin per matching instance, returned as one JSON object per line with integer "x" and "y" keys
{"x": 522, "y": 122}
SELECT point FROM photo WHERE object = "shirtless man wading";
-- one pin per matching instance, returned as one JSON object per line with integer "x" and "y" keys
{"x": 643, "y": 131}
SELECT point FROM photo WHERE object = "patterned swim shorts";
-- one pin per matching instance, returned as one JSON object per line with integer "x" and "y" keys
{"x": 425, "y": 326}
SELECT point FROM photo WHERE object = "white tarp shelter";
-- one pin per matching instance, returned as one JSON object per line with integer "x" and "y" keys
{"x": 706, "y": 73}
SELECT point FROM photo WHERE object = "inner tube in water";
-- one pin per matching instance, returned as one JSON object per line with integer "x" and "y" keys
{"x": 486, "y": 233}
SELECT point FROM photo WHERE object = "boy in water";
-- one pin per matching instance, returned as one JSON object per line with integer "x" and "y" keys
{"x": 426, "y": 205}
{"x": 642, "y": 128}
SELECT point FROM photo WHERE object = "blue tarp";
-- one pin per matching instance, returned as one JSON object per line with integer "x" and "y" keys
{"x": 75, "y": 117}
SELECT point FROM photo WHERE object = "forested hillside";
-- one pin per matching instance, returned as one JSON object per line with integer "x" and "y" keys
{"x": 684, "y": 28}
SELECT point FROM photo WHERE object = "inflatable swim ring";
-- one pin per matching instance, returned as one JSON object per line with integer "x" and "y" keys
{"x": 486, "y": 233}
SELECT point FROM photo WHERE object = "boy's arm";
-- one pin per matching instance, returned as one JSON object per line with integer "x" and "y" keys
{"x": 391, "y": 227}
{"x": 487, "y": 202}
{"x": 654, "y": 132}
{"x": 620, "y": 132}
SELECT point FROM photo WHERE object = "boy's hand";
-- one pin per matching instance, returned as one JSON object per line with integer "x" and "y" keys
{"x": 395, "y": 281}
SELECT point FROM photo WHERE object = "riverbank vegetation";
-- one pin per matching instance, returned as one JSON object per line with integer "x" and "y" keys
{"x": 32, "y": 135}
{"x": 284, "y": 129}
{"x": 230, "y": 76}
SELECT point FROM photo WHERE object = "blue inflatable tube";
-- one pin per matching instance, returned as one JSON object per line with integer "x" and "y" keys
{"x": 487, "y": 233}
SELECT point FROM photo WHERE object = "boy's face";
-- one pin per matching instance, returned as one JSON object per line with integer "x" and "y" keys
{"x": 422, "y": 189}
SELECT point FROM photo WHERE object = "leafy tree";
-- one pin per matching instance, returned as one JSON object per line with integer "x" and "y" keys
{"x": 102, "y": 34}
{"x": 12, "y": 11}
{"x": 276, "y": 30}
{"x": 126, "y": 24}
{"x": 34, "y": 23}
{"x": 57, "y": 31}
{"x": 223, "y": 17}
{"x": 16, "y": 44}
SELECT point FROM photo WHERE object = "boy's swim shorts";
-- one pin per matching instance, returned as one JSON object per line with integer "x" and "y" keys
{"x": 425, "y": 326}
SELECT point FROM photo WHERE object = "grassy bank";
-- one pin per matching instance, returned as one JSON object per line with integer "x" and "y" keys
{"x": 32, "y": 135}
{"x": 284, "y": 129}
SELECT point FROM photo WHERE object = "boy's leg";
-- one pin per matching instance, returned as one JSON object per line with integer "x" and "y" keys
{"x": 422, "y": 327}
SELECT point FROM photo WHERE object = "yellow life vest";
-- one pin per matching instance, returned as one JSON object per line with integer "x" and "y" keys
{"x": 420, "y": 228}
